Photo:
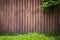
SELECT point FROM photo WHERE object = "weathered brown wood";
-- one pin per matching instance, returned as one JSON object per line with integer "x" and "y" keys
{"x": 23, "y": 16}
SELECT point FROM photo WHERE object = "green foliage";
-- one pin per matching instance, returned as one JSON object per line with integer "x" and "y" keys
{"x": 49, "y": 4}
{"x": 29, "y": 36}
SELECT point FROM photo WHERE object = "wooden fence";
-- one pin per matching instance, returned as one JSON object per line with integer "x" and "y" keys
{"x": 23, "y": 16}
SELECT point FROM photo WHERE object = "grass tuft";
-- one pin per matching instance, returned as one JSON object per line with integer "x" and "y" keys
{"x": 29, "y": 36}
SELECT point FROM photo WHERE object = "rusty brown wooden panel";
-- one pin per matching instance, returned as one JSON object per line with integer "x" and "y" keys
{"x": 22, "y": 16}
{"x": 33, "y": 16}
{"x": 36, "y": 16}
{"x": 39, "y": 17}
{"x": 26, "y": 17}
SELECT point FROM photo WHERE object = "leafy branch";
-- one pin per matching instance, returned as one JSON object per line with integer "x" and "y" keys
{"x": 48, "y": 5}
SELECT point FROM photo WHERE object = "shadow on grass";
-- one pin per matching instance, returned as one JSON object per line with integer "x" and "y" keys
{"x": 8, "y": 34}
{"x": 54, "y": 35}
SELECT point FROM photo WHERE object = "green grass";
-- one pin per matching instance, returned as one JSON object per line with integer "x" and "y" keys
{"x": 30, "y": 36}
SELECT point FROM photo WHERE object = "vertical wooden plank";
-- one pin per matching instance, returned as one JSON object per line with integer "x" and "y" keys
{"x": 11, "y": 16}
{"x": 39, "y": 18}
{"x": 45, "y": 26}
{"x": 26, "y": 10}
{"x": 48, "y": 15}
{"x": 5, "y": 15}
{"x": 17, "y": 16}
{"x": 33, "y": 18}
{"x": 56, "y": 21}
{"x": 51, "y": 22}
{"x": 0, "y": 16}
{"x": 36, "y": 15}
{"x": 31, "y": 15}
{"x": 2, "y": 13}
{"x": 54, "y": 17}
{"x": 28, "y": 15}
{"x": 58, "y": 17}
{"x": 24, "y": 15}
{"x": 42, "y": 19}
{"x": 48, "y": 22}
{"x": 8, "y": 15}
{"x": 21, "y": 16}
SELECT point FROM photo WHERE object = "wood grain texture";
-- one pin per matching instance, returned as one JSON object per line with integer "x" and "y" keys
{"x": 23, "y": 16}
